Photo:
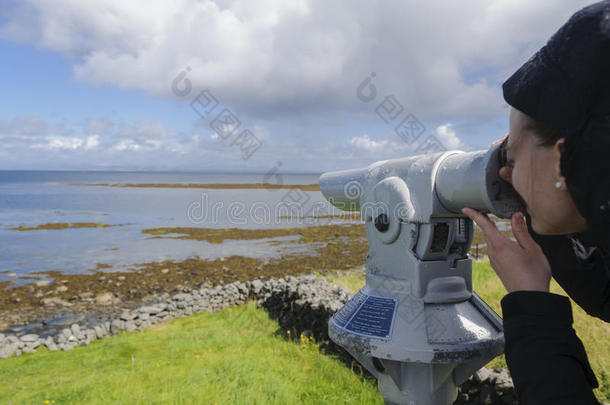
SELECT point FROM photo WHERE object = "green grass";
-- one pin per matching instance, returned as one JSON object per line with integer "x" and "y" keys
{"x": 237, "y": 356}
{"x": 351, "y": 280}
{"x": 592, "y": 331}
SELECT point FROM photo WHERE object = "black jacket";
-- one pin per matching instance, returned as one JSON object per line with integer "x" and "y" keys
{"x": 547, "y": 360}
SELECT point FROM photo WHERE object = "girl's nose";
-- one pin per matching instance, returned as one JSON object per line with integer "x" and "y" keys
{"x": 506, "y": 173}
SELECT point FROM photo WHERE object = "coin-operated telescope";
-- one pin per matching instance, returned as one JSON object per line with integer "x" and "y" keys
{"x": 416, "y": 325}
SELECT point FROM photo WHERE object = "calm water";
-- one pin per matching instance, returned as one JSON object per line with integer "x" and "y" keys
{"x": 31, "y": 198}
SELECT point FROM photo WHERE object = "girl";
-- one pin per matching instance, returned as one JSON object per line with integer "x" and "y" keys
{"x": 558, "y": 160}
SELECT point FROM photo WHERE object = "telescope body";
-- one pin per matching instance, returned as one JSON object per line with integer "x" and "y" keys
{"x": 455, "y": 179}
{"x": 416, "y": 325}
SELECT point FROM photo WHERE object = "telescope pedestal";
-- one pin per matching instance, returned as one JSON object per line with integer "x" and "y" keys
{"x": 416, "y": 325}
{"x": 415, "y": 371}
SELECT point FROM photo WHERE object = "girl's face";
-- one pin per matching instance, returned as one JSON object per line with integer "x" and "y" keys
{"x": 533, "y": 171}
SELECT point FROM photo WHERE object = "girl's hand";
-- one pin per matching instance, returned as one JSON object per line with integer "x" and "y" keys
{"x": 521, "y": 265}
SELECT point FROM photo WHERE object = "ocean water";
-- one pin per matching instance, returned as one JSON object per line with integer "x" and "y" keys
{"x": 31, "y": 198}
{"x": 76, "y": 176}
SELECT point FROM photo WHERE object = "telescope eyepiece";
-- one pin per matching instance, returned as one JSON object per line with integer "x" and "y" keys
{"x": 503, "y": 155}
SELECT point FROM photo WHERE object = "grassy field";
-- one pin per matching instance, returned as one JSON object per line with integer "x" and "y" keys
{"x": 236, "y": 356}
{"x": 593, "y": 332}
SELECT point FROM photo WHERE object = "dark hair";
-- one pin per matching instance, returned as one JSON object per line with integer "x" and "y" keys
{"x": 545, "y": 135}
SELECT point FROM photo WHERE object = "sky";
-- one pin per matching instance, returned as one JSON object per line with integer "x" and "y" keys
{"x": 251, "y": 85}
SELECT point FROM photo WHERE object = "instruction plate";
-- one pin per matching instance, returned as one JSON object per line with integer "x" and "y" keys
{"x": 367, "y": 315}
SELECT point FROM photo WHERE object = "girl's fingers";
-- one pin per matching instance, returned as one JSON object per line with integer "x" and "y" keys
{"x": 487, "y": 225}
{"x": 520, "y": 230}
{"x": 493, "y": 236}
{"x": 506, "y": 174}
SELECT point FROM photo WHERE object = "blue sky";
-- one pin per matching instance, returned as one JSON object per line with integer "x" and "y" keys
{"x": 89, "y": 85}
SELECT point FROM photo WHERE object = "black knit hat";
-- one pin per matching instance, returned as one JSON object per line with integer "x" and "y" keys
{"x": 566, "y": 85}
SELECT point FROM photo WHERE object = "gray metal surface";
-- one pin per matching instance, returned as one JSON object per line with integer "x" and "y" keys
{"x": 417, "y": 325}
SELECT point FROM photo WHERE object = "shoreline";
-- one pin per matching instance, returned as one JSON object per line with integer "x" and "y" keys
{"x": 336, "y": 247}
{"x": 220, "y": 186}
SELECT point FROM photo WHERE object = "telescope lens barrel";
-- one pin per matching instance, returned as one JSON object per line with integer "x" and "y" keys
{"x": 462, "y": 179}
{"x": 472, "y": 179}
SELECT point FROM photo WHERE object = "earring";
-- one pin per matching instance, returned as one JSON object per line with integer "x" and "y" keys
{"x": 558, "y": 185}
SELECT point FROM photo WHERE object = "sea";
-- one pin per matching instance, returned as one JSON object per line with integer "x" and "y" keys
{"x": 31, "y": 198}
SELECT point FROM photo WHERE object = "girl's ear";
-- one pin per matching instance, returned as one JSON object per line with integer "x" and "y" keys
{"x": 558, "y": 149}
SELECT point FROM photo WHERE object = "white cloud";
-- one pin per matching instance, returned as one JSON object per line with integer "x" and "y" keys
{"x": 92, "y": 142}
{"x": 127, "y": 144}
{"x": 64, "y": 143}
{"x": 365, "y": 143}
{"x": 58, "y": 143}
{"x": 387, "y": 146}
{"x": 447, "y": 137}
{"x": 31, "y": 133}
{"x": 443, "y": 60}
{"x": 135, "y": 145}
{"x": 391, "y": 145}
